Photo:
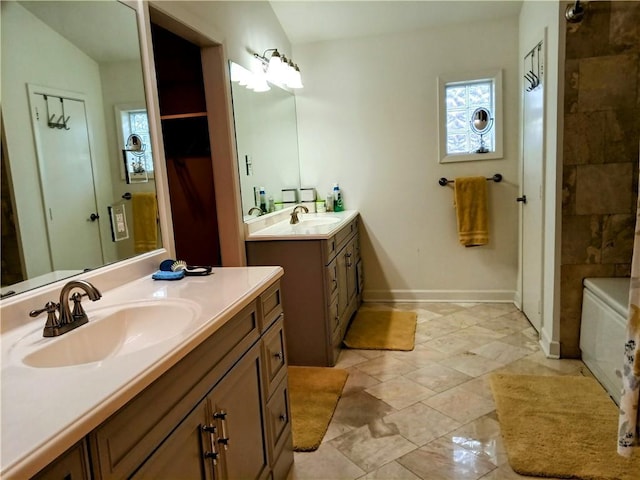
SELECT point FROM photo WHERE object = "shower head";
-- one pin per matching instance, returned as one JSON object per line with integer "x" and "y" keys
{"x": 574, "y": 13}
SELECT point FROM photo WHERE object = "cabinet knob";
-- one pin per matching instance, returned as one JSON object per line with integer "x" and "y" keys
{"x": 278, "y": 355}
{"x": 283, "y": 418}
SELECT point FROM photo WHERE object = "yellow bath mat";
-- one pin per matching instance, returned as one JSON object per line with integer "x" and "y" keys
{"x": 314, "y": 393}
{"x": 560, "y": 426}
{"x": 382, "y": 330}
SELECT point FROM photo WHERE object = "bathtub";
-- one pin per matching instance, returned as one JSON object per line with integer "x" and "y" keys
{"x": 605, "y": 304}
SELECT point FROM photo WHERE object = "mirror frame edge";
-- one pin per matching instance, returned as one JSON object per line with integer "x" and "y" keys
{"x": 117, "y": 273}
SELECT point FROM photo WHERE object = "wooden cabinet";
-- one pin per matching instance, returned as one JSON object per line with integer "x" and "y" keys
{"x": 223, "y": 437}
{"x": 222, "y": 412}
{"x": 321, "y": 288}
{"x": 71, "y": 465}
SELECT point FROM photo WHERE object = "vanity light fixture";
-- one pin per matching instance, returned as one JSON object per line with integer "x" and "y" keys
{"x": 279, "y": 69}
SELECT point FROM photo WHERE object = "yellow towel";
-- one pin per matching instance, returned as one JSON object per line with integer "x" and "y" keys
{"x": 471, "y": 210}
{"x": 145, "y": 221}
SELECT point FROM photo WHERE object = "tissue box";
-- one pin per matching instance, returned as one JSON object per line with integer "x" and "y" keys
{"x": 289, "y": 195}
{"x": 307, "y": 194}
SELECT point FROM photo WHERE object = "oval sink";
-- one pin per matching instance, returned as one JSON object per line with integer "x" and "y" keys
{"x": 318, "y": 221}
{"x": 120, "y": 332}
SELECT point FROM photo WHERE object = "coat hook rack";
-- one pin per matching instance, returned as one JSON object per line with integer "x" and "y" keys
{"x": 534, "y": 75}
{"x": 62, "y": 121}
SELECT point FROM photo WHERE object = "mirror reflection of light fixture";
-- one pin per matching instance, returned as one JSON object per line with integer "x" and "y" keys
{"x": 279, "y": 69}
{"x": 481, "y": 123}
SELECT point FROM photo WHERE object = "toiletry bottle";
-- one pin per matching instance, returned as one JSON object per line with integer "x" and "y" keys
{"x": 263, "y": 200}
{"x": 271, "y": 205}
{"x": 329, "y": 202}
{"x": 336, "y": 191}
{"x": 339, "y": 206}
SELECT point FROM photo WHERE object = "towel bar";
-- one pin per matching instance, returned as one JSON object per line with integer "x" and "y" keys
{"x": 444, "y": 181}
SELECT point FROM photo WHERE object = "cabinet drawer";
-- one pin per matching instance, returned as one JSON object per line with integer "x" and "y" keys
{"x": 71, "y": 465}
{"x": 270, "y": 306}
{"x": 121, "y": 444}
{"x": 274, "y": 356}
{"x": 330, "y": 248}
{"x": 278, "y": 418}
{"x": 345, "y": 234}
{"x": 284, "y": 460}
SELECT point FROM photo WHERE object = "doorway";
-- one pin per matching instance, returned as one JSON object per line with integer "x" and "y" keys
{"x": 189, "y": 162}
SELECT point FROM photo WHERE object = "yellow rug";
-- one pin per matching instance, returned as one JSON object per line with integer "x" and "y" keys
{"x": 314, "y": 394}
{"x": 560, "y": 426}
{"x": 382, "y": 330}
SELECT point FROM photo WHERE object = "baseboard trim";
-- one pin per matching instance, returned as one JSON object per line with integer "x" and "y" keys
{"x": 414, "y": 296}
{"x": 550, "y": 348}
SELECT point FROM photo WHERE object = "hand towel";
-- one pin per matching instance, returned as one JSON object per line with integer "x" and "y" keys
{"x": 145, "y": 221}
{"x": 470, "y": 195}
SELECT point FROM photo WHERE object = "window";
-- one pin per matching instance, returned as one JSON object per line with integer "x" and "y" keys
{"x": 458, "y": 98}
{"x": 132, "y": 119}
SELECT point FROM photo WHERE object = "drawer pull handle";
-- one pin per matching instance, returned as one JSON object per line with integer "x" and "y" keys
{"x": 222, "y": 416}
{"x": 283, "y": 418}
{"x": 278, "y": 355}
{"x": 210, "y": 429}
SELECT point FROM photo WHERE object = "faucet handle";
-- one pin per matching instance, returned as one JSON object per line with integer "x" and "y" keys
{"x": 51, "y": 308}
{"x": 78, "y": 311}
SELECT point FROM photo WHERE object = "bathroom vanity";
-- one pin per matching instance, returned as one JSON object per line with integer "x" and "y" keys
{"x": 207, "y": 398}
{"x": 322, "y": 284}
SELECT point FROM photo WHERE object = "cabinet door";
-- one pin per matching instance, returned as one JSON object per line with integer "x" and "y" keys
{"x": 350, "y": 262}
{"x": 236, "y": 407}
{"x": 185, "y": 454}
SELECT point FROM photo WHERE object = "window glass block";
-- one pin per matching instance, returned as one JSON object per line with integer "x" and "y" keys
{"x": 139, "y": 125}
{"x": 456, "y": 97}
{"x": 458, "y": 143}
{"x": 461, "y": 100}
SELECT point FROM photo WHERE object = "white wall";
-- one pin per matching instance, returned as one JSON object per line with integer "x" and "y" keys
{"x": 50, "y": 56}
{"x": 367, "y": 118}
{"x": 535, "y": 17}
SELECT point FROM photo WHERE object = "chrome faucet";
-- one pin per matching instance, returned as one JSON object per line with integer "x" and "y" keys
{"x": 251, "y": 210}
{"x": 68, "y": 319}
{"x": 294, "y": 214}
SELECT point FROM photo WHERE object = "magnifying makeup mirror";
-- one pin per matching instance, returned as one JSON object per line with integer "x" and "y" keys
{"x": 481, "y": 123}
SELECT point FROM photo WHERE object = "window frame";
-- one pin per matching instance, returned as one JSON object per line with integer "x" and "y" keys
{"x": 494, "y": 76}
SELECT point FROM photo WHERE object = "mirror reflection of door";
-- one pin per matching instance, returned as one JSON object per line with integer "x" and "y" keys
{"x": 66, "y": 180}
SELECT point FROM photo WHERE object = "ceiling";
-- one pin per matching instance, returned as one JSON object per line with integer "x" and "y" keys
{"x": 322, "y": 20}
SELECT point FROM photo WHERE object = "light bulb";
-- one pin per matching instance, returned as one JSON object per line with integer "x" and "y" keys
{"x": 296, "y": 78}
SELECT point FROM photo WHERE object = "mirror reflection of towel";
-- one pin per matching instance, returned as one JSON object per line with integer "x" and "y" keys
{"x": 145, "y": 221}
{"x": 471, "y": 210}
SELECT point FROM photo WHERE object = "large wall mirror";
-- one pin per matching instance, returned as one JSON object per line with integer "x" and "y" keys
{"x": 266, "y": 140}
{"x": 77, "y": 192}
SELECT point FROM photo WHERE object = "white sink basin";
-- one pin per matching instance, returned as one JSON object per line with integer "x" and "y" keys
{"x": 317, "y": 221}
{"x": 119, "y": 331}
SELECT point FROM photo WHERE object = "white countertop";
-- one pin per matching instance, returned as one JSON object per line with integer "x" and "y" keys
{"x": 309, "y": 228}
{"x": 44, "y": 411}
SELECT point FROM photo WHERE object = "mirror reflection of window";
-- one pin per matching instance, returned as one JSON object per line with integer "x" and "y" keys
{"x": 136, "y": 122}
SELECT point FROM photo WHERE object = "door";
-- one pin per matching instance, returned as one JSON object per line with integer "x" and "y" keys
{"x": 66, "y": 179}
{"x": 237, "y": 410}
{"x": 184, "y": 454}
{"x": 532, "y": 189}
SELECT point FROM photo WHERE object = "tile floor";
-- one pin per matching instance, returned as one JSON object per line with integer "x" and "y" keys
{"x": 429, "y": 413}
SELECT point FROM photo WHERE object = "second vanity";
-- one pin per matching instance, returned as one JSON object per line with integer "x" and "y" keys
{"x": 196, "y": 388}
{"x": 322, "y": 283}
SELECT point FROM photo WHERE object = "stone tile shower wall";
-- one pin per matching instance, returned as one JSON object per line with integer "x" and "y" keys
{"x": 600, "y": 172}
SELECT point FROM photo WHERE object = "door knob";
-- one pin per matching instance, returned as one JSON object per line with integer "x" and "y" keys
{"x": 522, "y": 199}
{"x": 94, "y": 216}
